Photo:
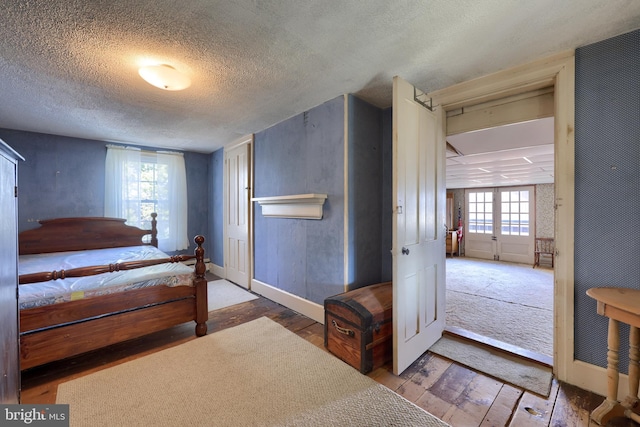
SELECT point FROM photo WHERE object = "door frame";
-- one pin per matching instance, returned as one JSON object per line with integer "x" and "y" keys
{"x": 245, "y": 140}
{"x": 558, "y": 72}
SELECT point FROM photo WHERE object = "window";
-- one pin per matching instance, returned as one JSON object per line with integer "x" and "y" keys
{"x": 138, "y": 183}
{"x": 514, "y": 213}
{"x": 481, "y": 212}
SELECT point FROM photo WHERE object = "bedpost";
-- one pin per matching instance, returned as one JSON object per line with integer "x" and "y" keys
{"x": 200, "y": 282}
{"x": 154, "y": 229}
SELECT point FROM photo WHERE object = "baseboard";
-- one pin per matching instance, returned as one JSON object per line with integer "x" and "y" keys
{"x": 217, "y": 270}
{"x": 308, "y": 308}
{"x": 594, "y": 378}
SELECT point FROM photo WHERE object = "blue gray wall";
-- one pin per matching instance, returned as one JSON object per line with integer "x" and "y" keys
{"x": 304, "y": 154}
{"x": 387, "y": 196}
{"x": 607, "y": 190}
{"x": 365, "y": 199}
{"x": 198, "y": 190}
{"x": 60, "y": 177}
{"x": 64, "y": 177}
{"x": 370, "y": 193}
{"x": 216, "y": 208}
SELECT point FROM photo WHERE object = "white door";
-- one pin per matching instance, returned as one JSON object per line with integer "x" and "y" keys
{"x": 419, "y": 228}
{"x": 516, "y": 234}
{"x": 479, "y": 233}
{"x": 236, "y": 205}
{"x": 500, "y": 224}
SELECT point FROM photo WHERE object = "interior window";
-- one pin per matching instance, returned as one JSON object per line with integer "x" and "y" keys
{"x": 481, "y": 212}
{"x": 514, "y": 213}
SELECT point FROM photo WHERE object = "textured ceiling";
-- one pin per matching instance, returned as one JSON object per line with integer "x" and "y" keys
{"x": 69, "y": 67}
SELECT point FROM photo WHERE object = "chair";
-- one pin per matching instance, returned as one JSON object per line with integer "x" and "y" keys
{"x": 545, "y": 246}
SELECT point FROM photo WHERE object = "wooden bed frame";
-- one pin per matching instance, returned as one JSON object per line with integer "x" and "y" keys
{"x": 66, "y": 329}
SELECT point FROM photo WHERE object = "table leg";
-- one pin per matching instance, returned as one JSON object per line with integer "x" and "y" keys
{"x": 631, "y": 400}
{"x": 602, "y": 413}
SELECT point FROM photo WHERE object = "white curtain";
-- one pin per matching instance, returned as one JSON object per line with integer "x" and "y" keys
{"x": 123, "y": 192}
{"x": 175, "y": 236}
{"x": 122, "y": 176}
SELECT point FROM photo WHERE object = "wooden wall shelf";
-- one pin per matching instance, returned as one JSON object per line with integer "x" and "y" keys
{"x": 299, "y": 206}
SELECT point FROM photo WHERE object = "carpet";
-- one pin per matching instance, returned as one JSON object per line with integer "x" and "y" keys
{"x": 254, "y": 374}
{"x": 527, "y": 375}
{"x": 222, "y": 293}
{"x": 509, "y": 302}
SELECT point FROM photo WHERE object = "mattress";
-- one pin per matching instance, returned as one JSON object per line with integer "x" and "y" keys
{"x": 74, "y": 288}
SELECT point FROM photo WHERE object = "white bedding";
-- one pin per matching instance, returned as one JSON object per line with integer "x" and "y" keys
{"x": 55, "y": 291}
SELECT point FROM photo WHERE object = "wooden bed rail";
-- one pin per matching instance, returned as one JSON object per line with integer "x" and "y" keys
{"x": 200, "y": 267}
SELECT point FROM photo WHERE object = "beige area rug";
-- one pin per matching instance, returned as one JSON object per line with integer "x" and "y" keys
{"x": 254, "y": 374}
{"x": 509, "y": 302}
{"x": 222, "y": 293}
{"x": 527, "y": 375}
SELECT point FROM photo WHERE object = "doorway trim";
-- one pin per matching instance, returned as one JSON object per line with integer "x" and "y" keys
{"x": 558, "y": 72}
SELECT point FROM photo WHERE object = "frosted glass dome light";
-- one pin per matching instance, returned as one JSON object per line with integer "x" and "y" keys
{"x": 164, "y": 77}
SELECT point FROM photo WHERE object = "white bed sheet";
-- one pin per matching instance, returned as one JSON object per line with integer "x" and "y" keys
{"x": 55, "y": 291}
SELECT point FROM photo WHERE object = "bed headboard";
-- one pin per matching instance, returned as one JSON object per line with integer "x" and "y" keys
{"x": 83, "y": 233}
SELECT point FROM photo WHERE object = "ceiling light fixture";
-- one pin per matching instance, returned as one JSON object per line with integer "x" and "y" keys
{"x": 164, "y": 77}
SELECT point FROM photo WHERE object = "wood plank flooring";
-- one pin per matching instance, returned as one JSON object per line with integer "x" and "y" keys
{"x": 452, "y": 392}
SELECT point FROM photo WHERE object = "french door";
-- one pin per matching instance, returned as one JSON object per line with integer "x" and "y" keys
{"x": 500, "y": 223}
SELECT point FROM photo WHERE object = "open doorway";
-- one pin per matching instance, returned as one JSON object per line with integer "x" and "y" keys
{"x": 558, "y": 73}
{"x": 500, "y": 184}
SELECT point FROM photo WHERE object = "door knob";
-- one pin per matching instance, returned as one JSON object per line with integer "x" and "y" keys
{"x": 405, "y": 251}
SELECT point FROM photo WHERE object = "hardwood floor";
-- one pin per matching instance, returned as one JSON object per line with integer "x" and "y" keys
{"x": 457, "y": 395}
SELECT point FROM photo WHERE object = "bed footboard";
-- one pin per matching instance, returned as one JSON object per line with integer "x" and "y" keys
{"x": 58, "y": 331}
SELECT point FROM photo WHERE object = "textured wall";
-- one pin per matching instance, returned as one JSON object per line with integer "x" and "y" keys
{"x": 216, "y": 208}
{"x": 545, "y": 212}
{"x": 60, "y": 177}
{"x": 365, "y": 193}
{"x": 63, "y": 177}
{"x": 304, "y": 154}
{"x": 198, "y": 190}
{"x": 387, "y": 196}
{"x": 607, "y": 189}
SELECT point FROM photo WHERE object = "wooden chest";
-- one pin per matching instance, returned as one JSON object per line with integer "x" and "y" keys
{"x": 358, "y": 327}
